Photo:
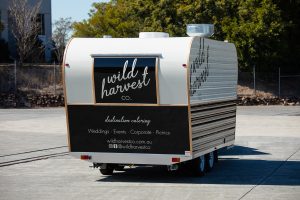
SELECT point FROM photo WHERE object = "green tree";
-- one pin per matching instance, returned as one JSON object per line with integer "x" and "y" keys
{"x": 112, "y": 18}
{"x": 254, "y": 26}
{"x": 289, "y": 40}
{"x": 255, "y": 30}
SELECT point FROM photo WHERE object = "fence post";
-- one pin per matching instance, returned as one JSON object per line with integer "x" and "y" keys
{"x": 15, "y": 74}
{"x": 54, "y": 77}
{"x": 254, "y": 80}
{"x": 279, "y": 83}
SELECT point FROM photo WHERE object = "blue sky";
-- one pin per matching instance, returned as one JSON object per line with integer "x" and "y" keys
{"x": 76, "y": 9}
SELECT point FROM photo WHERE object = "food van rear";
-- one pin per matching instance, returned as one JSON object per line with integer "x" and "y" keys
{"x": 152, "y": 101}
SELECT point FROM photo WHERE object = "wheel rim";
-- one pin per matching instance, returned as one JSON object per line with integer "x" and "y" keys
{"x": 202, "y": 163}
{"x": 211, "y": 159}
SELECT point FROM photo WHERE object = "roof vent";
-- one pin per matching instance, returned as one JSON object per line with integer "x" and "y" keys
{"x": 202, "y": 30}
{"x": 153, "y": 35}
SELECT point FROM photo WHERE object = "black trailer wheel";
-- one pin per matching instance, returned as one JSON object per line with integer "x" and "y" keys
{"x": 216, "y": 156}
{"x": 199, "y": 166}
{"x": 210, "y": 161}
{"x": 108, "y": 170}
{"x": 119, "y": 168}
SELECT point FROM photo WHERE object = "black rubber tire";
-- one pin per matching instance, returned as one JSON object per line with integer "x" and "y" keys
{"x": 199, "y": 166}
{"x": 209, "y": 161}
{"x": 108, "y": 171}
{"x": 216, "y": 156}
{"x": 119, "y": 168}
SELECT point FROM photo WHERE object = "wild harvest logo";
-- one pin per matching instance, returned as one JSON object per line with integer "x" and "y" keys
{"x": 197, "y": 65}
{"x": 132, "y": 83}
{"x": 125, "y": 79}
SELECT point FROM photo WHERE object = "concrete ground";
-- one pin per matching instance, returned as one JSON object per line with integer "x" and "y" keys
{"x": 264, "y": 164}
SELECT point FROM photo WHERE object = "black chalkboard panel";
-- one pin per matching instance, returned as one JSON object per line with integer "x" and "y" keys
{"x": 129, "y": 129}
{"x": 125, "y": 80}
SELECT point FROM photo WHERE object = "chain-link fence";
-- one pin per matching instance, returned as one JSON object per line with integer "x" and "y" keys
{"x": 269, "y": 83}
{"x": 31, "y": 78}
{"x": 31, "y": 85}
{"x": 47, "y": 79}
{"x": 41, "y": 84}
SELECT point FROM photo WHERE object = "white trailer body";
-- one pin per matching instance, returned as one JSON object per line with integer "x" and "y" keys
{"x": 152, "y": 101}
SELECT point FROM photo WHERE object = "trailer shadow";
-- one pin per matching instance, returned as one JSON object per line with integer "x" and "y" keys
{"x": 241, "y": 150}
{"x": 232, "y": 168}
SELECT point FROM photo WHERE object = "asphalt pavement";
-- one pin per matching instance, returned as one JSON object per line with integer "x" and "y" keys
{"x": 263, "y": 164}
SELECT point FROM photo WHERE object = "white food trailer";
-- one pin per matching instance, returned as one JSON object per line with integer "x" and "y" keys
{"x": 153, "y": 100}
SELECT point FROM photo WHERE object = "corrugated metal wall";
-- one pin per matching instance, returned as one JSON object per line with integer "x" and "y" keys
{"x": 213, "y": 83}
{"x": 212, "y": 124}
{"x": 213, "y": 71}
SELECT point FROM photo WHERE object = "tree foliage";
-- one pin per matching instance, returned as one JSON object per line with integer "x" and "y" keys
{"x": 260, "y": 29}
{"x": 25, "y": 28}
{"x": 61, "y": 35}
{"x": 114, "y": 18}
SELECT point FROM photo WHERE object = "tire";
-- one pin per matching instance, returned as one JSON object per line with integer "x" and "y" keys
{"x": 210, "y": 161}
{"x": 216, "y": 156}
{"x": 199, "y": 166}
{"x": 109, "y": 170}
{"x": 119, "y": 168}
